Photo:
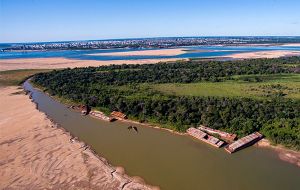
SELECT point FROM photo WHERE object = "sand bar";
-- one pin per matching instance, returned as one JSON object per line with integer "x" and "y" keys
{"x": 156, "y": 52}
{"x": 37, "y": 154}
{"x": 264, "y": 54}
{"x": 291, "y": 45}
{"x": 57, "y": 63}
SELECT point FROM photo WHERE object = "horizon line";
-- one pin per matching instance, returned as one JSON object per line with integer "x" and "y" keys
{"x": 139, "y": 38}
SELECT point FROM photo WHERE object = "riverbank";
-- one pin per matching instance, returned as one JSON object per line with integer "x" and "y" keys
{"x": 264, "y": 54}
{"x": 69, "y": 104}
{"x": 59, "y": 63}
{"x": 155, "y": 126}
{"x": 37, "y": 154}
{"x": 288, "y": 156}
{"x": 284, "y": 154}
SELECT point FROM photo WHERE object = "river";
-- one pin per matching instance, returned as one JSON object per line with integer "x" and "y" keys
{"x": 174, "y": 162}
{"x": 195, "y": 52}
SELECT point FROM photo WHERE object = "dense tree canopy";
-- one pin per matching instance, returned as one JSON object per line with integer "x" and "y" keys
{"x": 118, "y": 87}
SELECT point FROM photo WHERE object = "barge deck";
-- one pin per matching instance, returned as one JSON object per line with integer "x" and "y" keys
{"x": 223, "y": 135}
{"x": 244, "y": 142}
{"x": 100, "y": 115}
{"x": 200, "y": 135}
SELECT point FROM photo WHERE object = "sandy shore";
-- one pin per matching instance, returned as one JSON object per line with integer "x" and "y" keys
{"x": 157, "y": 52}
{"x": 36, "y": 154}
{"x": 264, "y": 54}
{"x": 291, "y": 45}
{"x": 265, "y": 44}
{"x": 57, "y": 63}
{"x": 284, "y": 154}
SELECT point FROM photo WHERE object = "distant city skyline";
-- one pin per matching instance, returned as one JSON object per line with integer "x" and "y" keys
{"x": 66, "y": 20}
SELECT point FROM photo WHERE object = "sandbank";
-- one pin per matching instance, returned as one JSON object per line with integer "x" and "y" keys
{"x": 37, "y": 154}
{"x": 284, "y": 154}
{"x": 291, "y": 45}
{"x": 264, "y": 54}
{"x": 57, "y": 63}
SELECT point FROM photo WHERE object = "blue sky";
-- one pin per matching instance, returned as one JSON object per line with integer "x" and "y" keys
{"x": 55, "y": 20}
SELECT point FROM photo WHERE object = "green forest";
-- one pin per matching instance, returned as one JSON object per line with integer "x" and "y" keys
{"x": 238, "y": 96}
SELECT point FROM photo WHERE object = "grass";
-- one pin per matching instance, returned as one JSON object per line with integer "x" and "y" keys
{"x": 286, "y": 85}
{"x": 15, "y": 77}
{"x": 272, "y": 77}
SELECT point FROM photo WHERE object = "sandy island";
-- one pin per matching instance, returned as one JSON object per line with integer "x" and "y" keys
{"x": 291, "y": 45}
{"x": 57, "y": 63}
{"x": 37, "y": 154}
{"x": 265, "y": 44}
{"x": 264, "y": 54}
{"x": 156, "y": 52}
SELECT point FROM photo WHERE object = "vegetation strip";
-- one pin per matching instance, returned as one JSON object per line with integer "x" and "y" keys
{"x": 131, "y": 90}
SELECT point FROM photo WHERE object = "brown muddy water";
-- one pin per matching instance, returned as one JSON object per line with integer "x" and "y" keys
{"x": 172, "y": 161}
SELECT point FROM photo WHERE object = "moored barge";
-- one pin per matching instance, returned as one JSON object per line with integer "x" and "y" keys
{"x": 200, "y": 135}
{"x": 244, "y": 142}
{"x": 223, "y": 135}
{"x": 118, "y": 115}
{"x": 101, "y": 115}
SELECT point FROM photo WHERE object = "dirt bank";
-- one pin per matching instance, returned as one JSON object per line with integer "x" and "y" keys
{"x": 36, "y": 154}
{"x": 284, "y": 154}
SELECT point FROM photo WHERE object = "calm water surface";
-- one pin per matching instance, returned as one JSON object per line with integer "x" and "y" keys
{"x": 172, "y": 161}
{"x": 209, "y": 51}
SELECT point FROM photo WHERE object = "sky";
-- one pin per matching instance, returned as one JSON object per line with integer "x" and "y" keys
{"x": 63, "y": 20}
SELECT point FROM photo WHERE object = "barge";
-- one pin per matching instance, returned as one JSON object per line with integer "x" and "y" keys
{"x": 244, "y": 142}
{"x": 118, "y": 115}
{"x": 200, "y": 135}
{"x": 101, "y": 115}
{"x": 223, "y": 135}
